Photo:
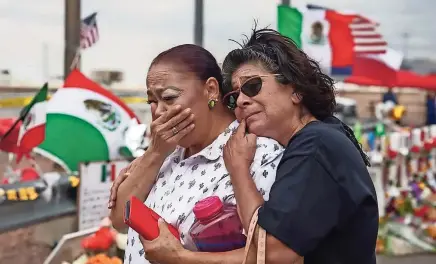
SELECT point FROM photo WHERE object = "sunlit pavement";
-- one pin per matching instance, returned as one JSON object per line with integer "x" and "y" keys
{"x": 414, "y": 259}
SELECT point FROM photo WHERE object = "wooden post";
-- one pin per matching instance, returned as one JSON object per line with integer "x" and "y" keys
{"x": 72, "y": 35}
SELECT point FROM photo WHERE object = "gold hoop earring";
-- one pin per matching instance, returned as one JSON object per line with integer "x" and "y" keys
{"x": 212, "y": 103}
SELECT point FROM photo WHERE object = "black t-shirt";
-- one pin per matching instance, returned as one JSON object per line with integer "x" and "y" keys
{"x": 323, "y": 203}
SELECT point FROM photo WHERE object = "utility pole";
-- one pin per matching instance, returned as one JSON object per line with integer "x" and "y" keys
{"x": 72, "y": 33}
{"x": 286, "y": 2}
{"x": 198, "y": 23}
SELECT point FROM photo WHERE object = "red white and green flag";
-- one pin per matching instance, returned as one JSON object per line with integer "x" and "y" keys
{"x": 85, "y": 122}
{"x": 32, "y": 129}
{"x": 330, "y": 37}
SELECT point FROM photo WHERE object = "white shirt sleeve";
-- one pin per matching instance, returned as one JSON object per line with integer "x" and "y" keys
{"x": 264, "y": 175}
{"x": 264, "y": 167}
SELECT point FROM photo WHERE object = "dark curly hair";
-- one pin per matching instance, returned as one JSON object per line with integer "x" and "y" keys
{"x": 280, "y": 55}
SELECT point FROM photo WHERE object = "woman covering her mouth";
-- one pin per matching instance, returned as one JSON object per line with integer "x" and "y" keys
{"x": 184, "y": 162}
{"x": 322, "y": 206}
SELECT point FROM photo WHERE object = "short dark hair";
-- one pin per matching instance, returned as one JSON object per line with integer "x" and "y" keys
{"x": 280, "y": 55}
{"x": 196, "y": 59}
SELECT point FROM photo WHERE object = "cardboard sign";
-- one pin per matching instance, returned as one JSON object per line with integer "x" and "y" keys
{"x": 95, "y": 183}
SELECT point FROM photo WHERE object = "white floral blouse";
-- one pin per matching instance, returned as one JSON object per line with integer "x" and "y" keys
{"x": 182, "y": 183}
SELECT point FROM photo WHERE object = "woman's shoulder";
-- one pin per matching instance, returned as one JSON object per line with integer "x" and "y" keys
{"x": 317, "y": 134}
{"x": 267, "y": 150}
{"x": 326, "y": 141}
{"x": 172, "y": 160}
{"x": 267, "y": 143}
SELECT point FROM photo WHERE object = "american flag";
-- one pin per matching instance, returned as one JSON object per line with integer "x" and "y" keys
{"x": 89, "y": 31}
{"x": 367, "y": 39}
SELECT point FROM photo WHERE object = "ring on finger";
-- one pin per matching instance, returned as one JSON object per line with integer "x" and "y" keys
{"x": 175, "y": 131}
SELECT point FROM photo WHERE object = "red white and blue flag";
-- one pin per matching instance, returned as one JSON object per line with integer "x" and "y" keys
{"x": 89, "y": 31}
{"x": 331, "y": 37}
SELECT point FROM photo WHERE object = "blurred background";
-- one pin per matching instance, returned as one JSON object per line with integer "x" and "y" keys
{"x": 113, "y": 43}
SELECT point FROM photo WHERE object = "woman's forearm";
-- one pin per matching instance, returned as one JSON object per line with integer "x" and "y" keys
{"x": 247, "y": 196}
{"x": 248, "y": 200}
{"x": 139, "y": 183}
{"x": 278, "y": 255}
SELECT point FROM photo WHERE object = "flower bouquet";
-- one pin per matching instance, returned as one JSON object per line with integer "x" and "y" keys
{"x": 102, "y": 246}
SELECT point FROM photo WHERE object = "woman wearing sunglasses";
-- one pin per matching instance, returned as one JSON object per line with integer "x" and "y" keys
{"x": 322, "y": 206}
{"x": 184, "y": 162}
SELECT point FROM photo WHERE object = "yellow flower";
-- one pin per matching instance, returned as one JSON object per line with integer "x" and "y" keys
{"x": 74, "y": 181}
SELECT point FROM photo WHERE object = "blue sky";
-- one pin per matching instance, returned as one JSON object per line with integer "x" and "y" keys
{"x": 132, "y": 32}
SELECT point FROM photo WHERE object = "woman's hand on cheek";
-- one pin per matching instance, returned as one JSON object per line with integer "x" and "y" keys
{"x": 238, "y": 114}
{"x": 239, "y": 150}
{"x": 165, "y": 249}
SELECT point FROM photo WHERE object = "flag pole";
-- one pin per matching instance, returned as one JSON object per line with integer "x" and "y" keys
{"x": 72, "y": 30}
{"x": 21, "y": 117}
{"x": 76, "y": 59}
{"x": 198, "y": 22}
{"x": 11, "y": 128}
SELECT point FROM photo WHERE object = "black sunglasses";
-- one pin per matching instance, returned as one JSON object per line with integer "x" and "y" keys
{"x": 250, "y": 88}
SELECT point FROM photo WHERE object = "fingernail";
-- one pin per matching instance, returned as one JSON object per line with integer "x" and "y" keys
{"x": 177, "y": 107}
{"x": 188, "y": 110}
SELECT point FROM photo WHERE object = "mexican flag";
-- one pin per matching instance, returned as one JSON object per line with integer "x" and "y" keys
{"x": 85, "y": 122}
{"x": 32, "y": 129}
{"x": 332, "y": 38}
{"x": 108, "y": 173}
